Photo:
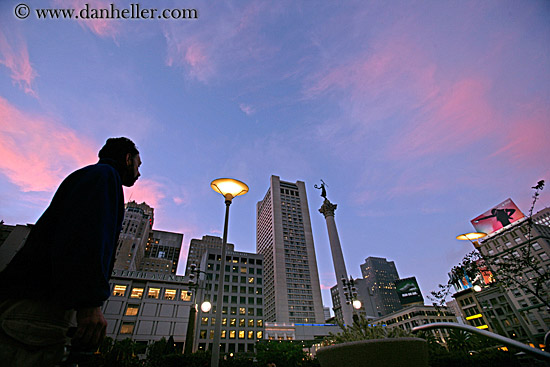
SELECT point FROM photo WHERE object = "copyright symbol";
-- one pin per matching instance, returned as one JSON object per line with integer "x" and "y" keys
{"x": 22, "y": 11}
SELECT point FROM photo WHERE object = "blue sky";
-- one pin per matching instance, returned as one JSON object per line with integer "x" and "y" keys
{"x": 419, "y": 115}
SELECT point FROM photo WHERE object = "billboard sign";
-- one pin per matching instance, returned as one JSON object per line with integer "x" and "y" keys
{"x": 408, "y": 291}
{"x": 498, "y": 217}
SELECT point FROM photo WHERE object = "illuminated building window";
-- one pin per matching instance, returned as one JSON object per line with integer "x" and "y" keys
{"x": 119, "y": 290}
{"x": 241, "y": 334}
{"x": 250, "y": 323}
{"x": 224, "y": 332}
{"x": 204, "y": 321}
{"x": 250, "y": 334}
{"x": 132, "y": 310}
{"x": 211, "y": 336}
{"x": 259, "y": 334}
{"x": 170, "y": 294}
{"x": 242, "y": 322}
{"x": 233, "y": 322}
{"x": 251, "y": 280}
{"x": 185, "y": 296}
{"x": 127, "y": 328}
{"x": 224, "y": 321}
{"x": 231, "y": 334}
{"x": 153, "y": 293}
{"x": 202, "y": 334}
{"x": 137, "y": 293}
{"x": 242, "y": 310}
{"x": 259, "y": 323}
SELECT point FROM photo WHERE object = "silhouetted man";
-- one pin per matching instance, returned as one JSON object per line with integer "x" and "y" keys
{"x": 502, "y": 215}
{"x": 60, "y": 278}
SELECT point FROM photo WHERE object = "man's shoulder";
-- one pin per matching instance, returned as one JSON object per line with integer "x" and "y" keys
{"x": 93, "y": 174}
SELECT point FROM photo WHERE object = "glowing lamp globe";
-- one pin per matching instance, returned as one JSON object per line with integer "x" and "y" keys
{"x": 229, "y": 187}
{"x": 206, "y": 306}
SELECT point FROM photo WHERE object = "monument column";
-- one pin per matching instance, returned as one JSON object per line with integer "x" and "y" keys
{"x": 327, "y": 209}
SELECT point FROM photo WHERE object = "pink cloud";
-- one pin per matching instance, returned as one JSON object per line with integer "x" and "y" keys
{"x": 526, "y": 141}
{"x": 146, "y": 190}
{"x": 16, "y": 58}
{"x": 248, "y": 110}
{"x": 192, "y": 55}
{"x": 37, "y": 153}
{"x": 101, "y": 27}
{"x": 453, "y": 119}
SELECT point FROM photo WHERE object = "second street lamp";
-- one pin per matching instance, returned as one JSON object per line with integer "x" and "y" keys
{"x": 229, "y": 188}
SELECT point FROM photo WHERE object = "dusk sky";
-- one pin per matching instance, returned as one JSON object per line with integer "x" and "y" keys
{"x": 418, "y": 115}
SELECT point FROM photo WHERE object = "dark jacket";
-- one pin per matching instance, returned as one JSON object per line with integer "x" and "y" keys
{"x": 69, "y": 253}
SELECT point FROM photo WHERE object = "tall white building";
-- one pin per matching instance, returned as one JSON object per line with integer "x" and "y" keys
{"x": 284, "y": 237}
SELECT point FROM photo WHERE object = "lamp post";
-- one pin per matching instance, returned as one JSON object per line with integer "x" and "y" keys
{"x": 472, "y": 237}
{"x": 229, "y": 188}
{"x": 193, "y": 283}
{"x": 350, "y": 292}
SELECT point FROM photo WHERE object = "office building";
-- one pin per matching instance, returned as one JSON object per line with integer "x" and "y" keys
{"x": 512, "y": 241}
{"x": 284, "y": 238}
{"x": 147, "y": 307}
{"x": 380, "y": 276}
{"x": 162, "y": 252}
{"x": 197, "y": 248}
{"x": 134, "y": 235}
{"x": 242, "y": 314}
{"x": 411, "y": 316}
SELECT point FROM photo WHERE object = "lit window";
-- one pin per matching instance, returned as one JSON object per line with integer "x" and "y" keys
{"x": 250, "y": 323}
{"x": 127, "y": 328}
{"x": 153, "y": 293}
{"x": 251, "y": 280}
{"x": 119, "y": 290}
{"x": 185, "y": 296}
{"x": 259, "y": 334}
{"x": 242, "y": 322}
{"x": 211, "y": 334}
{"x": 233, "y": 322}
{"x": 204, "y": 321}
{"x": 231, "y": 334}
{"x": 241, "y": 334}
{"x": 224, "y": 321}
{"x": 242, "y": 310}
{"x": 136, "y": 293}
{"x": 170, "y": 294}
{"x": 260, "y": 323}
{"x": 132, "y": 310}
{"x": 250, "y": 334}
{"x": 202, "y": 334}
{"x": 224, "y": 334}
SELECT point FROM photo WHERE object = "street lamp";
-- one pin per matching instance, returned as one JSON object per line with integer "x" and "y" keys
{"x": 193, "y": 283}
{"x": 229, "y": 188}
{"x": 472, "y": 237}
{"x": 350, "y": 292}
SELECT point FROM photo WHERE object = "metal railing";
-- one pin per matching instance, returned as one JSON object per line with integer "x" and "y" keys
{"x": 501, "y": 339}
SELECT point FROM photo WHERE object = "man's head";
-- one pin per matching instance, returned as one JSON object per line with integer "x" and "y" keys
{"x": 124, "y": 152}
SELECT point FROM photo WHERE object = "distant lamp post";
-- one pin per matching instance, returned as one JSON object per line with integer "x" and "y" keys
{"x": 229, "y": 188}
{"x": 194, "y": 273}
{"x": 350, "y": 292}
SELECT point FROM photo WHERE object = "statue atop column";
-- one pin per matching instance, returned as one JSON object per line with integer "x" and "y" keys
{"x": 328, "y": 208}
{"x": 322, "y": 188}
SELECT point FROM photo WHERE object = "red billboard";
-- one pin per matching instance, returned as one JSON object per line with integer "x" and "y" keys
{"x": 498, "y": 217}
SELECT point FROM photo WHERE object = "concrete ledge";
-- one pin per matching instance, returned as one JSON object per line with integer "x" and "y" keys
{"x": 397, "y": 352}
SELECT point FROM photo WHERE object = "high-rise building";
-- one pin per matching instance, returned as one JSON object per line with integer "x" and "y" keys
{"x": 514, "y": 241}
{"x": 380, "y": 276}
{"x": 135, "y": 232}
{"x": 284, "y": 237}
{"x": 242, "y": 314}
{"x": 197, "y": 248}
{"x": 162, "y": 252}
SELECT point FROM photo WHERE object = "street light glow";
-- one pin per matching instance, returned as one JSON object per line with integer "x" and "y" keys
{"x": 206, "y": 306}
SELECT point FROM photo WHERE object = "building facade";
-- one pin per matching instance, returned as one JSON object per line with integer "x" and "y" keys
{"x": 134, "y": 235}
{"x": 380, "y": 276}
{"x": 197, "y": 248}
{"x": 146, "y": 307}
{"x": 162, "y": 252}
{"x": 512, "y": 242}
{"x": 242, "y": 314}
{"x": 284, "y": 238}
{"x": 412, "y": 316}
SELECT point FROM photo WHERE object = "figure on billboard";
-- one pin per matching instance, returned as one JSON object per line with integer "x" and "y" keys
{"x": 502, "y": 215}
